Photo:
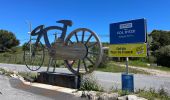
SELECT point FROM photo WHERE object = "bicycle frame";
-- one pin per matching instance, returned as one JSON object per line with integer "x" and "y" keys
{"x": 43, "y": 32}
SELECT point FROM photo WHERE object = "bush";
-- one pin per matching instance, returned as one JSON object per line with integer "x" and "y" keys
{"x": 90, "y": 84}
{"x": 163, "y": 56}
{"x": 152, "y": 59}
{"x": 160, "y": 47}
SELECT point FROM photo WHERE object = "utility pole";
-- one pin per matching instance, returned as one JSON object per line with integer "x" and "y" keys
{"x": 55, "y": 35}
{"x": 30, "y": 25}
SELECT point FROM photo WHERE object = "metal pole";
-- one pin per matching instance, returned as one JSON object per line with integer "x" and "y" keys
{"x": 55, "y": 34}
{"x": 29, "y": 23}
{"x": 30, "y": 37}
{"x": 127, "y": 70}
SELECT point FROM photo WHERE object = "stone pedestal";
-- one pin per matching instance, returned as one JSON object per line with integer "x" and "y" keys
{"x": 59, "y": 79}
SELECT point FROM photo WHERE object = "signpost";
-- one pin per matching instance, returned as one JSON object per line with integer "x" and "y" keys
{"x": 128, "y": 39}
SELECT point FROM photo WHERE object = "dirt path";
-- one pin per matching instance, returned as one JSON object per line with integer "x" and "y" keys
{"x": 149, "y": 70}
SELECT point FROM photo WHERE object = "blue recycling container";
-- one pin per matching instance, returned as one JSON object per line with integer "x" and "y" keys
{"x": 127, "y": 82}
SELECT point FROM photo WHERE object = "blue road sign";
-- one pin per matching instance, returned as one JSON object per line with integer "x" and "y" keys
{"x": 133, "y": 31}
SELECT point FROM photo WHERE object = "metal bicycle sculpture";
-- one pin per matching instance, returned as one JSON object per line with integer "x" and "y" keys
{"x": 81, "y": 50}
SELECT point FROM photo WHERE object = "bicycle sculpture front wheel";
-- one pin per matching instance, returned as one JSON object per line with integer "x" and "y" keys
{"x": 94, "y": 52}
{"x": 33, "y": 55}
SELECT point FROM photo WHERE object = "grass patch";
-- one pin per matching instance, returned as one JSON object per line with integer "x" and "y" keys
{"x": 152, "y": 94}
{"x": 17, "y": 58}
{"x": 139, "y": 63}
{"x": 111, "y": 67}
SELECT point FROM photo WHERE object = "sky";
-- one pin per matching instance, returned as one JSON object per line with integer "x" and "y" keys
{"x": 96, "y": 15}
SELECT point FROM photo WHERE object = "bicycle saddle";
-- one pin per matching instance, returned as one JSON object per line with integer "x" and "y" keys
{"x": 65, "y": 22}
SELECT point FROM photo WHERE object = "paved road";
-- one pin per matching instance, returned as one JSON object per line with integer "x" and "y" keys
{"x": 14, "y": 89}
{"x": 109, "y": 80}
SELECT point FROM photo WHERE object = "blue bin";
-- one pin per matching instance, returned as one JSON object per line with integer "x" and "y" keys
{"x": 127, "y": 82}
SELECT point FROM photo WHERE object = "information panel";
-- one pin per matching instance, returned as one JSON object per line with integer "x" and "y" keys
{"x": 133, "y": 31}
{"x": 128, "y": 50}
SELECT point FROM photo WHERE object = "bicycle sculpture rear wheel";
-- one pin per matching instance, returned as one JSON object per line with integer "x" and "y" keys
{"x": 93, "y": 51}
{"x": 34, "y": 55}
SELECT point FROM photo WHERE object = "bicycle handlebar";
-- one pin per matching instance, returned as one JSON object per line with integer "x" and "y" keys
{"x": 34, "y": 32}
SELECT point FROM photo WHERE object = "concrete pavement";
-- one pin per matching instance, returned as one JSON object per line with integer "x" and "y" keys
{"x": 109, "y": 80}
{"x": 14, "y": 89}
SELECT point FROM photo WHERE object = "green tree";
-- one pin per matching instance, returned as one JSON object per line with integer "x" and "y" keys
{"x": 160, "y": 47}
{"x": 25, "y": 47}
{"x": 159, "y": 39}
{"x": 163, "y": 56}
{"x": 7, "y": 40}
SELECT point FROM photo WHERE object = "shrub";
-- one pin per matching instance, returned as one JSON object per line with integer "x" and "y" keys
{"x": 90, "y": 84}
{"x": 163, "y": 56}
{"x": 152, "y": 59}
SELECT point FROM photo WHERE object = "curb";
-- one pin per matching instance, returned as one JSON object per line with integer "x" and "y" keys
{"x": 45, "y": 86}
